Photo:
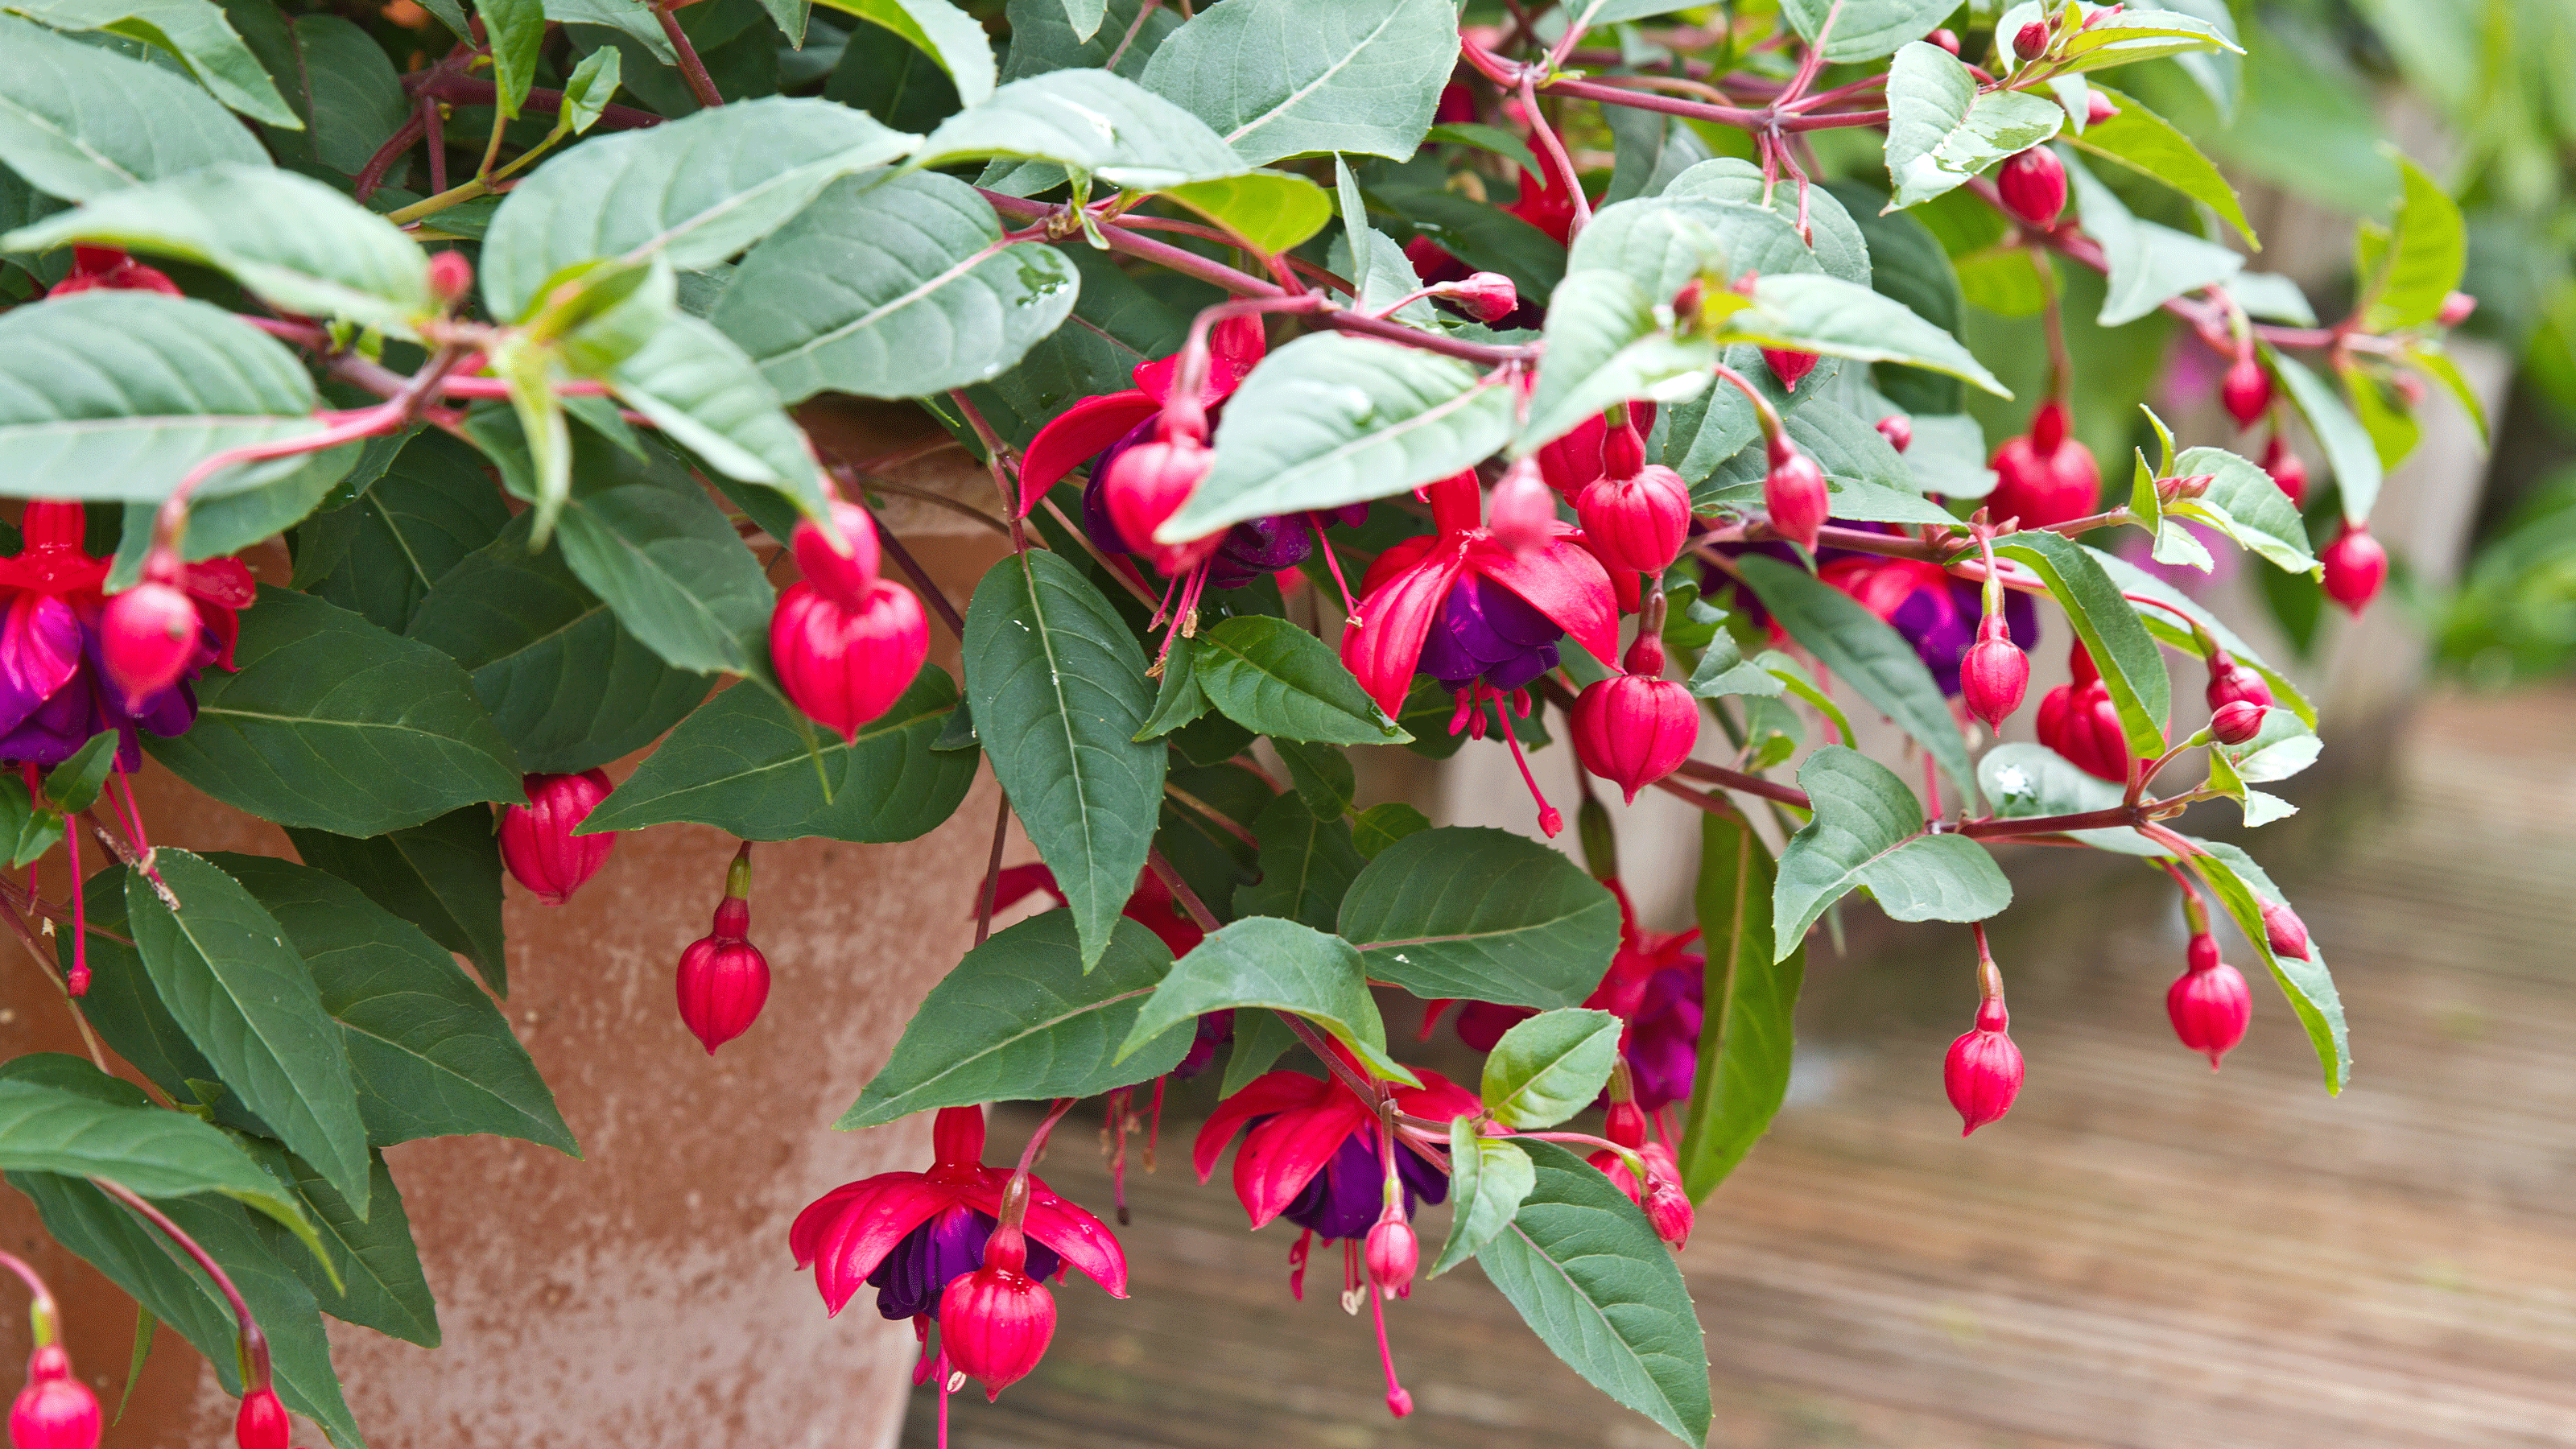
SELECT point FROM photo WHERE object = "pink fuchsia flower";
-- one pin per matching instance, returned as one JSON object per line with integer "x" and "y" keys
{"x": 1310, "y": 1150}
{"x": 844, "y": 663}
{"x": 723, "y": 980}
{"x": 1982, "y": 1072}
{"x": 1592, "y": 450}
{"x": 106, "y": 269}
{"x": 1666, "y": 1205}
{"x": 2044, "y": 477}
{"x": 537, "y": 840}
{"x": 910, "y": 1234}
{"x": 2209, "y": 1004}
{"x": 2356, "y": 565}
{"x": 55, "y": 1410}
{"x": 1938, "y": 614}
{"x": 261, "y": 1422}
{"x": 1635, "y": 728}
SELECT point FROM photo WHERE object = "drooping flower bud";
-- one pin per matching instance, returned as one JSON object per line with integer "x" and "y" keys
{"x": 2456, "y": 307}
{"x": 1522, "y": 511}
{"x": 2356, "y": 566}
{"x": 2080, "y": 722}
{"x": 842, "y": 573}
{"x": 1789, "y": 366}
{"x": 1489, "y": 296}
{"x": 1995, "y": 673}
{"x": 2044, "y": 478}
{"x": 2079, "y": 664}
{"x": 845, "y": 666}
{"x": 2209, "y": 1003}
{"x": 1393, "y": 1253}
{"x": 1982, "y": 1071}
{"x": 1898, "y": 429}
{"x": 2033, "y": 186}
{"x": 1626, "y": 1124}
{"x": 996, "y": 1323}
{"x": 2237, "y": 722}
{"x": 537, "y": 840}
{"x": 1147, "y": 484}
{"x": 2230, "y": 681}
{"x": 1634, "y": 728}
{"x": 106, "y": 269}
{"x": 146, "y": 636}
{"x": 2246, "y": 390}
{"x": 451, "y": 275}
{"x": 1623, "y": 448}
{"x": 1794, "y": 493}
{"x": 1637, "y": 522}
{"x": 2283, "y": 931}
{"x": 2098, "y": 108}
{"x": 1667, "y": 1207}
{"x": 54, "y": 1410}
{"x": 723, "y": 979}
{"x": 2031, "y": 41}
{"x": 262, "y": 1422}
{"x": 1945, "y": 38}
{"x": 2288, "y": 473}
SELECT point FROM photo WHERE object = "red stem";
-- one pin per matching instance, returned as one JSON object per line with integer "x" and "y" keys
{"x": 253, "y": 1344}
{"x": 701, "y": 85}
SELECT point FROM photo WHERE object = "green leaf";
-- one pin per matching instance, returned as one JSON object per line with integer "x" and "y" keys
{"x": 2351, "y": 455}
{"x": 1651, "y": 149}
{"x": 1084, "y": 16}
{"x": 333, "y": 723}
{"x": 374, "y": 1258}
{"x": 55, "y": 132}
{"x": 60, "y": 1114}
{"x": 1868, "y": 479}
{"x": 290, "y": 239}
{"x": 693, "y": 191}
{"x": 565, "y": 682}
{"x": 2163, "y": 620}
{"x": 1829, "y": 315}
{"x": 1088, "y": 122}
{"x": 677, "y": 575}
{"x": 1942, "y": 130}
{"x": 1485, "y": 237}
{"x": 1605, "y": 346}
{"x": 704, "y": 393}
{"x": 1865, "y": 29}
{"x": 1021, "y": 1019}
{"x": 2426, "y": 251}
{"x": 1332, "y": 419}
{"x": 1597, "y": 1286}
{"x": 746, "y": 763}
{"x": 1322, "y": 775}
{"x": 898, "y": 288}
{"x": 2150, "y": 264}
{"x": 73, "y": 785}
{"x": 1482, "y": 914}
{"x": 2246, "y": 505}
{"x": 1273, "y": 210}
{"x": 194, "y": 31}
{"x": 2272, "y": 297}
{"x": 443, "y": 876}
{"x": 516, "y": 29}
{"x": 1058, "y": 686}
{"x": 1043, "y": 39}
{"x": 943, "y": 32}
{"x": 1860, "y": 649}
{"x": 1265, "y": 962}
{"x": 1550, "y": 1067}
{"x": 1748, "y": 1035}
{"x": 1281, "y": 78}
{"x": 1307, "y": 865}
{"x": 1493, "y": 140}
{"x": 222, "y": 965}
{"x": 116, "y": 395}
{"x": 2026, "y": 780}
{"x": 26, "y": 832}
{"x": 2242, "y": 887}
{"x": 2108, "y": 627}
{"x": 1261, "y": 1038}
{"x": 1757, "y": 222}
{"x": 2149, "y": 144}
{"x": 1274, "y": 678}
{"x": 431, "y": 1055}
{"x": 1383, "y": 824}
{"x": 2125, "y": 37}
{"x": 1489, "y": 1178}
{"x": 1868, "y": 832}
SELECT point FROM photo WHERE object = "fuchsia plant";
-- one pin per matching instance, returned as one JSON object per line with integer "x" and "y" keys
{"x": 1330, "y": 398}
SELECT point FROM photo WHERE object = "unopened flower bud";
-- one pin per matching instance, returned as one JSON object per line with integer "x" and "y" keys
{"x": 2098, "y": 108}
{"x": 2190, "y": 486}
{"x": 2456, "y": 307}
{"x": 1490, "y": 296}
{"x": 846, "y": 571}
{"x": 996, "y": 1323}
{"x": 450, "y": 275}
{"x": 1634, "y": 729}
{"x": 2288, "y": 473}
{"x": 2246, "y": 390}
{"x": 1995, "y": 673}
{"x": 262, "y": 1422}
{"x": 2230, "y": 681}
{"x": 2356, "y": 566}
{"x": 1945, "y": 38}
{"x": 146, "y": 637}
{"x": 1522, "y": 512}
{"x": 844, "y": 665}
{"x": 1982, "y": 1071}
{"x": 1392, "y": 1254}
{"x": 1898, "y": 429}
{"x": 1147, "y": 484}
{"x": 1788, "y": 365}
{"x": 2209, "y": 1004}
{"x": 537, "y": 840}
{"x": 2237, "y": 722}
{"x": 723, "y": 979}
{"x": 1626, "y": 1124}
{"x": 2202, "y": 953}
{"x": 2031, "y": 41}
{"x": 54, "y": 1410}
{"x": 2283, "y": 931}
{"x": 2410, "y": 389}
{"x": 1623, "y": 449}
{"x": 1794, "y": 492}
{"x": 1636, "y": 522}
{"x": 1667, "y": 1207}
{"x": 1686, "y": 303}
{"x": 2033, "y": 185}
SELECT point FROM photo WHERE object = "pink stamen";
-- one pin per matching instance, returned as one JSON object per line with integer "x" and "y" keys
{"x": 1462, "y": 717}
{"x": 1297, "y": 1265}
{"x": 1549, "y": 821}
{"x": 134, "y": 813}
{"x": 1114, "y": 1130}
{"x": 78, "y": 982}
{"x": 1154, "y": 1124}
{"x": 944, "y": 1377}
{"x": 1350, "y": 606}
{"x": 1398, "y": 1402}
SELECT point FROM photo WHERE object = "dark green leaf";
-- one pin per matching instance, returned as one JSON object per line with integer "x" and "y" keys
{"x": 703, "y": 392}
{"x": 945, "y": 33}
{"x": 381, "y": 1286}
{"x": 748, "y": 764}
{"x": 1868, "y": 832}
{"x": 1322, "y": 775}
{"x": 1177, "y": 697}
{"x": 895, "y": 81}
{"x": 56, "y": 134}
{"x": 1262, "y": 961}
{"x": 1482, "y": 914}
{"x": 2147, "y": 143}
{"x": 1020, "y": 1018}
{"x": 1941, "y": 129}
{"x": 335, "y": 724}
{"x": 1865, "y": 29}
{"x": 1260, "y": 1039}
{"x": 1382, "y": 825}
{"x": 516, "y": 28}
{"x": 2243, "y": 888}
{"x": 2150, "y": 264}
{"x": 677, "y": 575}
{"x": 443, "y": 876}
{"x": 79, "y": 1130}
{"x": 1307, "y": 865}
{"x": 73, "y": 785}
{"x": 1550, "y": 1067}
{"x": 1489, "y": 1177}
{"x": 1086, "y": 121}
{"x": 1276, "y": 679}
{"x": 1042, "y": 38}
{"x": 2351, "y": 455}
{"x": 1281, "y": 78}
{"x": 2109, "y": 629}
{"x": 194, "y": 32}
{"x": 1747, "y": 1036}
{"x": 1594, "y": 1283}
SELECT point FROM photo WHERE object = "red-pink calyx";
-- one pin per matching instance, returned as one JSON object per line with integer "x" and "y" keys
{"x": 262, "y": 1422}
{"x": 1793, "y": 492}
{"x": 723, "y": 980}
{"x": 451, "y": 275}
{"x": 2031, "y": 41}
{"x": 2098, "y": 108}
{"x": 1489, "y": 296}
{"x": 2283, "y": 931}
{"x": 996, "y": 1322}
{"x": 2230, "y": 681}
{"x": 1637, "y": 522}
{"x": 1788, "y": 365}
{"x": 1982, "y": 1071}
{"x": 2356, "y": 565}
{"x": 2246, "y": 390}
{"x": 845, "y": 665}
{"x": 2456, "y": 307}
{"x": 842, "y": 572}
{"x": 55, "y": 1410}
{"x": 1521, "y": 514}
{"x": 1635, "y": 728}
{"x": 1147, "y": 484}
{"x": 2033, "y": 186}
{"x": 1995, "y": 673}
{"x": 2236, "y": 722}
{"x": 537, "y": 840}
{"x": 2209, "y": 1003}
{"x": 147, "y": 636}
{"x": 1898, "y": 429}
{"x": 2288, "y": 473}
{"x": 1392, "y": 1254}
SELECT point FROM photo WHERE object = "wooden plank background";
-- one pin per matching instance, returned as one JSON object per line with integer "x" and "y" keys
{"x": 2144, "y": 1253}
